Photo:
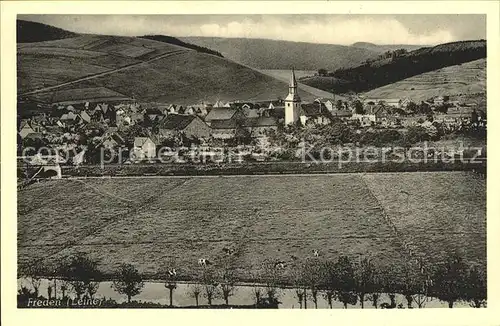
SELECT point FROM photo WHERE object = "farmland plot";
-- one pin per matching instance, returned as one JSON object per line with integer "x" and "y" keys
{"x": 79, "y": 94}
{"x": 439, "y": 213}
{"x": 149, "y": 221}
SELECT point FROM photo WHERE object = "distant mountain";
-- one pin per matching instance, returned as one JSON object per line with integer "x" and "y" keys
{"x": 396, "y": 66}
{"x": 35, "y": 32}
{"x": 380, "y": 48}
{"x": 112, "y": 68}
{"x": 273, "y": 54}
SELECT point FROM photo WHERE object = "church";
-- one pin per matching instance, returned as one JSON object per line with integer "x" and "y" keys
{"x": 292, "y": 102}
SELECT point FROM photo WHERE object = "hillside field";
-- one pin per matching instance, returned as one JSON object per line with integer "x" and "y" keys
{"x": 63, "y": 70}
{"x": 147, "y": 221}
{"x": 467, "y": 78}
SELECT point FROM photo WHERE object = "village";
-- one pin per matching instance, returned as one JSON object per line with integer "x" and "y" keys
{"x": 79, "y": 131}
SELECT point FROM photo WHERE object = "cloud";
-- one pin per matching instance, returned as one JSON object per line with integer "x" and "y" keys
{"x": 341, "y": 29}
{"x": 388, "y": 31}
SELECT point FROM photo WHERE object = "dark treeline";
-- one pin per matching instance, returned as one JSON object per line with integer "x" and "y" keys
{"x": 176, "y": 41}
{"x": 349, "y": 281}
{"x": 398, "y": 65}
{"x": 28, "y": 32}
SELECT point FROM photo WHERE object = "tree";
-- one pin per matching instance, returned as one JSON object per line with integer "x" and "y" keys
{"x": 129, "y": 281}
{"x": 474, "y": 116}
{"x": 339, "y": 105}
{"x": 82, "y": 274}
{"x": 313, "y": 277}
{"x": 170, "y": 276}
{"x": 450, "y": 281}
{"x": 194, "y": 291}
{"x": 210, "y": 285}
{"x": 364, "y": 279}
{"x": 358, "y": 107}
{"x": 424, "y": 108}
{"x": 416, "y": 134}
{"x": 374, "y": 296}
{"x": 390, "y": 285}
{"x": 410, "y": 283}
{"x": 228, "y": 279}
{"x": 442, "y": 108}
{"x": 344, "y": 281}
{"x": 300, "y": 284}
{"x": 475, "y": 292}
{"x": 257, "y": 293}
{"x": 33, "y": 271}
{"x": 271, "y": 277}
{"x": 418, "y": 278}
{"x": 322, "y": 72}
{"x": 412, "y": 107}
{"x": 328, "y": 283}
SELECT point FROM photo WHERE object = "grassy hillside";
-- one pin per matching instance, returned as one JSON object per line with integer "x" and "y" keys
{"x": 27, "y": 31}
{"x": 190, "y": 77}
{"x": 465, "y": 79}
{"x": 49, "y": 63}
{"x": 149, "y": 70}
{"x": 263, "y": 218}
{"x": 393, "y": 68}
{"x": 273, "y": 54}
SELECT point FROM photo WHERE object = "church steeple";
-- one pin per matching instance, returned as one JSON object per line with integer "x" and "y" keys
{"x": 292, "y": 89}
{"x": 293, "y": 82}
{"x": 292, "y": 101}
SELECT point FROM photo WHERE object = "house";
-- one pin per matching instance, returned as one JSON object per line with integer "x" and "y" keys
{"x": 221, "y": 104}
{"x": 365, "y": 120}
{"x": 39, "y": 120}
{"x": 35, "y": 136}
{"x": 277, "y": 103}
{"x": 79, "y": 158}
{"x": 223, "y": 129}
{"x": 190, "y": 125}
{"x": 259, "y": 126}
{"x": 201, "y": 110}
{"x": 341, "y": 114}
{"x": 112, "y": 140}
{"x": 85, "y": 116}
{"x": 314, "y": 113}
{"x": 152, "y": 116}
{"x": 144, "y": 148}
{"x": 329, "y": 103}
{"x": 395, "y": 102}
{"x": 222, "y": 113}
{"x": 439, "y": 100}
{"x": 170, "y": 109}
{"x": 226, "y": 129}
{"x": 123, "y": 118}
{"x": 404, "y": 102}
{"x": 25, "y": 129}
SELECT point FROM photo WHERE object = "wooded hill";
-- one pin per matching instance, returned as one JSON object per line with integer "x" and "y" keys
{"x": 398, "y": 65}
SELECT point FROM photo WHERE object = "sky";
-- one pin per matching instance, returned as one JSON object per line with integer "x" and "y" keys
{"x": 331, "y": 29}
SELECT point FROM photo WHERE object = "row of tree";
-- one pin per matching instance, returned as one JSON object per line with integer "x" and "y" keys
{"x": 344, "y": 280}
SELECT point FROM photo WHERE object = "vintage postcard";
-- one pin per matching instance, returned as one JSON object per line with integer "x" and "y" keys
{"x": 232, "y": 158}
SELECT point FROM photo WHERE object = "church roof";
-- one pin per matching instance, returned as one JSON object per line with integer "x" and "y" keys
{"x": 293, "y": 81}
{"x": 293, "y": 96}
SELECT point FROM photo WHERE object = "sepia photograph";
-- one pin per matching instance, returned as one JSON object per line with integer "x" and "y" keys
{"x": 251, "y": 161}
